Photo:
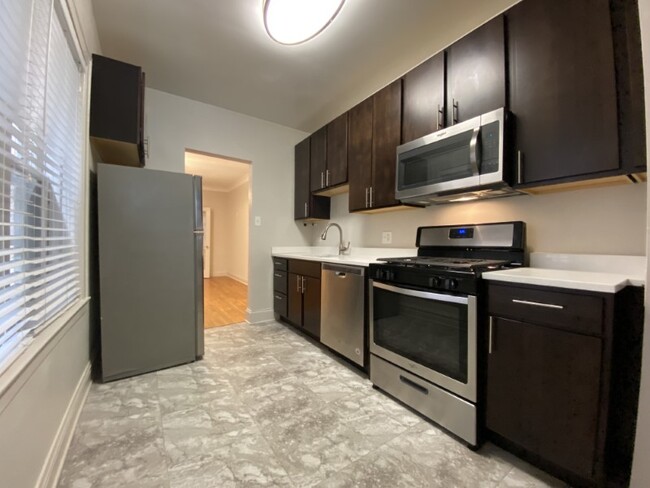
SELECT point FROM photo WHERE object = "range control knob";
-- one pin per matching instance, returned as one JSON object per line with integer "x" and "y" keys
{"x": 435, "y": 282}
{"x": 451, "y": 284}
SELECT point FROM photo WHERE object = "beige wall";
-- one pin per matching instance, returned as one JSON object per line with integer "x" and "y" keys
{"x": 175, "y": 124}
{"x": 229, "y": 231}
{"x": 594, "y": 221}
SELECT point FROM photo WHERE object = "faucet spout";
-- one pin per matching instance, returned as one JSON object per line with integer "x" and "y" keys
{"x": 342, "y": 247}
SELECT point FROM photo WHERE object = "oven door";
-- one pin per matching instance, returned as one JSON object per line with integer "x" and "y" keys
{"x": 432, "y": 335}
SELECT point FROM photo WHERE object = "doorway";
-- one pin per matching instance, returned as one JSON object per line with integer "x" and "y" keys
{"x": 226, "y": 210}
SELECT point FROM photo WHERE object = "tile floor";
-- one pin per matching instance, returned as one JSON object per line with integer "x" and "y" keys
{"x": 267, "y": 407}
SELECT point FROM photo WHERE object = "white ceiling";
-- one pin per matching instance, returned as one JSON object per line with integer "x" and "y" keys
{"x": 218, "y": 174}
{"x": 217, "y": 51}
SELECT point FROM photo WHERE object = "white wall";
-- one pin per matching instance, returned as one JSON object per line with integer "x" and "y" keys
{"x": 175, "y": 124}
{"x": 229, "y": 231}
{"x": 595, "y": 221}
{"x": 641, "y": 466}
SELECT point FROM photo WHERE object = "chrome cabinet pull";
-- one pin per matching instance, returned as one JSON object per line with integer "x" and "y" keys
{"x": 304, "y": 285}
{"x": 298, "y": 284}
{"x": 454, "y": 111}
{"x": 438, "y": 123}
{"x": 520, "y": 168}
{"x": 277, "y": 275}
{"x": 371, "y": 197}
{"x": 322, "y": 179}
{"x": 538, "y": 304}
{"x": 367, "y": 196}
{"x": 327, "y": 177}
{"x": 278, "y": 297}
{"x": 490, "y": 335}
{"x": 306, "y": 213}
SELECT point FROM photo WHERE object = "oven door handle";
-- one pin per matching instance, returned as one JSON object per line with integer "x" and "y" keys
{"x": 427, "y": 295}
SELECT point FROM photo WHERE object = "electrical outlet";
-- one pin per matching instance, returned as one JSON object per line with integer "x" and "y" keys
{"x": 386, "y": 237}
{"x": 258, "y": 221}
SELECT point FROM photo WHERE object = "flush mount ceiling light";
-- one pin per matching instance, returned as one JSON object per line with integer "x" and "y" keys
{"x": 296, "y": 21}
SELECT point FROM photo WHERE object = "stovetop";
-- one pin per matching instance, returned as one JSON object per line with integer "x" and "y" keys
{"x": 474, "y": 265}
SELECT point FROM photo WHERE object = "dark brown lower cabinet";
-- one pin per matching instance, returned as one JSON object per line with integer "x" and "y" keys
{"x": 303, "y": 296}
{"x": 563, "y": 372}
{"x": 543, "y": 392}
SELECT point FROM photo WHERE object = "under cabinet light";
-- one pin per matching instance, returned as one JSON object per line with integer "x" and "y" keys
{"x": 296, "y": 21}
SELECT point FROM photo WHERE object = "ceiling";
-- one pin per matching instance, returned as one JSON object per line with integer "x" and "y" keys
{"x": 218, "y": 174}
{"x": 217, "y": 51}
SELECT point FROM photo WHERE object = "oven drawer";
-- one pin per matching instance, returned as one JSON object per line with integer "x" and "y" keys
{"x": 582, "y": 313}
{"x": 280, "y": 281}
{"x": 451, "y": 412}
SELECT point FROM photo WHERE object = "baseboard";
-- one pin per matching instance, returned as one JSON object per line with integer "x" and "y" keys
{"x": 49, "y": 477}
{"x": 259, "y": 316}
{"x": 238, "y": 279}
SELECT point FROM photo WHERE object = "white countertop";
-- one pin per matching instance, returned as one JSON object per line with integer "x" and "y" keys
{"x": 590, "y": 272}
{"x": 361, "y": 256}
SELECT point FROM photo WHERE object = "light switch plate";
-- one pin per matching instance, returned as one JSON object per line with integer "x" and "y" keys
{"x": 386, "y": 237}
{"x": 258, "y": 221}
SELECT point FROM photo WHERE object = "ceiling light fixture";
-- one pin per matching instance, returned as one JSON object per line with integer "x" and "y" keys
{"x": 296, "y": 21}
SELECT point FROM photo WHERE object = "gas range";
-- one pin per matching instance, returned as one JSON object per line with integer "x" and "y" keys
{"x": 452, "y": 258}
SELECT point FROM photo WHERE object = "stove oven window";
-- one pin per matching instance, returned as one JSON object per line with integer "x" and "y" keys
{"x": 430, "y": 332}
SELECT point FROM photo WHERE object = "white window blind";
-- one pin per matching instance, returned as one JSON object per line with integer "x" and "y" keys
{"x": 40, "y": 171}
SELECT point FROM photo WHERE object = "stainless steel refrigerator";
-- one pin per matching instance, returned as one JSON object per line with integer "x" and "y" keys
{"x": 150, "y": 239}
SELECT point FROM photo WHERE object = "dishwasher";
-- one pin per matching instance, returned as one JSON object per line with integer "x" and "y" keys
{"x": 343, "y": 310}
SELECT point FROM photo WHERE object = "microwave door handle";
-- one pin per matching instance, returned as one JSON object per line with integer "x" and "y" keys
{"x": 474, "y": 151}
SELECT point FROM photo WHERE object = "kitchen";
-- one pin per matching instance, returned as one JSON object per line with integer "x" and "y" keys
{"x": 175, "y": 123}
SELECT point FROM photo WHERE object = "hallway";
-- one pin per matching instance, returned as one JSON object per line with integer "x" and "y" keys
{"x": 225, "y": 301}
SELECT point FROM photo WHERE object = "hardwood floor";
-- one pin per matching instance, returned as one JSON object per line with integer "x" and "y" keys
{"x": 224, "y": 301}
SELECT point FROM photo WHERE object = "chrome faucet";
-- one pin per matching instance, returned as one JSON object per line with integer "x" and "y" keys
{"x": 342, "y": 247}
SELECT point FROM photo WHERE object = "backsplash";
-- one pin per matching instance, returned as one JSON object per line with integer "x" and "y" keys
{"x": 609, "y": 220}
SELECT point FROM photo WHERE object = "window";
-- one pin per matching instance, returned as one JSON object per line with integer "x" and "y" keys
{"x": 41, "y": 171}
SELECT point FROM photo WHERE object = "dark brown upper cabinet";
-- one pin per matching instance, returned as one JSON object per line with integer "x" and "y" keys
{"x": 117, "y": 111}
{"x": 360, "y": 155}
{"x": 562, "y": 89}
{"x": 375, "y": 133}
{"x": 306, "y": 205}
{"x": 476, "y": 72}
{"x": 329, "y": 156}
{"x": 423, "y": 99}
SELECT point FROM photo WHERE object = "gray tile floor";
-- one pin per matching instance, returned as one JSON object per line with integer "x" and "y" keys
{"x": 267, "y": 407}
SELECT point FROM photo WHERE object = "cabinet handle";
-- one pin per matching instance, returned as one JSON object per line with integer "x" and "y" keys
{"x": 367, "y": 196}
{"x": 439, "y": 118}
{"x": 490, "y": 335}
{"x": 327, "y": 177}
{"x": 538, "y": 304}
{"x": 371, "y": 197}
{"x": 298, "y": 284}
{"x": 277, "y": 275}
{"x": 520, "y": 168}
{"x": 454, "y": 111}
{"x": 306, "y": 213}
{"x": 322, "y": 179}
{"x": 278, "y": 297}
{"x": 304, "y": 284}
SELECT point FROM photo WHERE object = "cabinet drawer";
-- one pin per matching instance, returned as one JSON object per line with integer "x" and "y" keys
{"x": 280, "y": 281}
{"x": 539, "y": 305}
{"x": 280, "y": 303}
{"x": 279, "y": 264}
{"x": 305, "y": 268}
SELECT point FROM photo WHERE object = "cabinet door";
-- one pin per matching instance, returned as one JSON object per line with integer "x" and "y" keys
{"x": 360, "y": 154}
{"x": 423, "y": 100}
{"x": 386, "y": 136}
{"x": 337, "y": 151}
{"x": 311, "y": 306}
{"x": 562, "y": 88}
{"x": 302, "y": 193}
{"x": 476, "y": 72}
{"x": 294, "y": 297}
{"x": 318, "y": 158}
{"x": 543, "y": 392}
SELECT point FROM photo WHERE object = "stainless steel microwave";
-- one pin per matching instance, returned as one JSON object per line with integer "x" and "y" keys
{"x": 463, "y": 162}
